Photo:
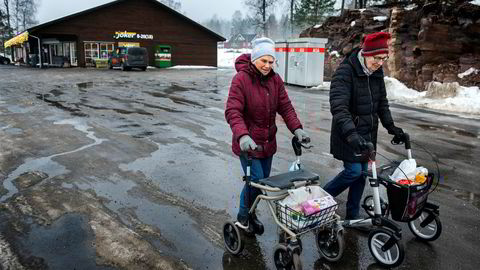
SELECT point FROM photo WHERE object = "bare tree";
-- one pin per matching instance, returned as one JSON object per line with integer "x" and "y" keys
{"x": 28, "y": 13}
{"x": 176, "y": 5}
{"x": 7, "y": 15}
{"x": 261, "y": 10}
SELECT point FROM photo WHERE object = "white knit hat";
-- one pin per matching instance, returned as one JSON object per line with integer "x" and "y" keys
{"x": 262, "y": 46}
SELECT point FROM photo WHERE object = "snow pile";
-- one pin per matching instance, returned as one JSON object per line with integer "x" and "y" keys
{"x": 352, "y": 24}
{"x": 325, "y": 87}
{"x": 468, "y": 72}
{"x": 226, "y": 57}
{"x": 447, "y": 97}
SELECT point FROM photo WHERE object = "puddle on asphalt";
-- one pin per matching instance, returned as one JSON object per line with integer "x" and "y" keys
{"x": 55, "y": 244}
{"x": 175, "y": 99}
{"x": 13, "y": 131}
{"x": 458, "y": 131}
{"x": 175, "y": 88}
{"x": 46, "y": 164}
{"x": 85, "y": 85}
{"x": 467, "y": 196}
{"x": 59, "y": 105}
{"x": 56, "y": 92}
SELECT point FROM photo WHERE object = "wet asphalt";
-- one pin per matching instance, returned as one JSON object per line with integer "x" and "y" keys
{"x": 104, "y": 169}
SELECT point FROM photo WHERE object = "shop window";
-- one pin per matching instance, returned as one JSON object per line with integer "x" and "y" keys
{"x": 94, "y": 50}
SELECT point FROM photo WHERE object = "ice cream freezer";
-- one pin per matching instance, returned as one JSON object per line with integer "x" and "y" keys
{"x": 301, "y": 61}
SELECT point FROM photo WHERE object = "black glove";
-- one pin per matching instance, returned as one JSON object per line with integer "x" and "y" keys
{"x": 358, "y": 144}
{"x": 399, "y": 135}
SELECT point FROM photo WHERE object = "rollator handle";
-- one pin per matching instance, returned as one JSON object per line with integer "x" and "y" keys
{"x": 370, "y": 151}
{"x": 248, "y": 156}
{"x": 297, "y": 145}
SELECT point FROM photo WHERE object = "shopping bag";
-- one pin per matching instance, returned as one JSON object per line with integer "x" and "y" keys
{"x": 406, "y": 170}
{"x": 294, "y": 166}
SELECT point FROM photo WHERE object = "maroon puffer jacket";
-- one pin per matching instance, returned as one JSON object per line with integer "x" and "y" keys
{"x": 252, "y": 105}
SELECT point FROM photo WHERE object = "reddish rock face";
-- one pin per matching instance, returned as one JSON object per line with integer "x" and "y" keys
{"x": 428, "y": 43}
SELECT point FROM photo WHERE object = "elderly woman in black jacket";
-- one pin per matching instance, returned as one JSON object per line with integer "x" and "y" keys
{"x": 358, "y": 100}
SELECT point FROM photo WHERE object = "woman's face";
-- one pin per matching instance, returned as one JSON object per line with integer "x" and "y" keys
{"x": 264, "y": 64}
{"x": 375, "y": 62}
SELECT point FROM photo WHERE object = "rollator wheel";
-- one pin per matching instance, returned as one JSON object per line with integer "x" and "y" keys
{"x": 390, "y": 258}
{"x": 285, "y": 261}
{"x": 330, "y": 244}
{"x": 369, "y": 208}
{"x": 427, "y": 232}
{"x": 232, "y": 238}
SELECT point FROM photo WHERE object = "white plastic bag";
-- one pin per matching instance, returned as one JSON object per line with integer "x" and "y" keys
{"x": 406, "y": 170}
{"x": 294, "y": 166}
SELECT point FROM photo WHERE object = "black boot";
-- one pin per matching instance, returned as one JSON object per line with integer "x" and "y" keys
{"x": 256, "y": 224}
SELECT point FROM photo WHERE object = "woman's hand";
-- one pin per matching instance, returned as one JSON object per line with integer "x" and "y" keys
{"x": 247, "y": 144}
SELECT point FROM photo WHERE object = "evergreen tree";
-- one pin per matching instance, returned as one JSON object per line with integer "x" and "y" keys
{"x": 311, "y": 12}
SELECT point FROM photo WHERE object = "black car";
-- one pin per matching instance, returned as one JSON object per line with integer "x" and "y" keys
{"x": 128, "y": 58}
{"x": 4, "y": 60}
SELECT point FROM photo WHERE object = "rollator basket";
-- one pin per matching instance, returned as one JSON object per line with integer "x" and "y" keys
{"x": 407, "y": 201}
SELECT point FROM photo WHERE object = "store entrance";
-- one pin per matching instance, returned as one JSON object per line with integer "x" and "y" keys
{"x": 60, "y": 54}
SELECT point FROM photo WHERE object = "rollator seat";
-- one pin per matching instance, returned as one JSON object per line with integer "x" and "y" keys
{"x": 286, "y": 180}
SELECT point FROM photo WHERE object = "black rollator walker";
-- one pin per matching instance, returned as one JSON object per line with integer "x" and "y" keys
{"x": 409, "y": 203}
{"x": 292, "y": 224}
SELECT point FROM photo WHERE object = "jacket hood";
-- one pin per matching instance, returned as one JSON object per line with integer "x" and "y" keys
{"x": 244, "y": 63}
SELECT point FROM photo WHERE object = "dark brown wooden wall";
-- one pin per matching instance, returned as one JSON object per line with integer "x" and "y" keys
{"x": 191, "y": 45}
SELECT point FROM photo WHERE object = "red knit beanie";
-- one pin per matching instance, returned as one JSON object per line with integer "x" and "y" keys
{"x": 375, "y": 43}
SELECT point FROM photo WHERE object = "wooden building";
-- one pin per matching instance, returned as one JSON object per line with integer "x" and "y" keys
{"x": 79, "y": 39}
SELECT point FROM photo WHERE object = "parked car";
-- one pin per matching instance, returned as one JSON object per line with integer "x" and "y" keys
{"x": 4, "y": 60}
{"x": 128, "y": 58}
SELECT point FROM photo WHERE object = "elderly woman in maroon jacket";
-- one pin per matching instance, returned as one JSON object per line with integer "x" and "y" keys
{"x": 256, "y": 95}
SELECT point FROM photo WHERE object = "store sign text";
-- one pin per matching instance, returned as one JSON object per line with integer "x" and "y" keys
{"x": 125, "y": 34}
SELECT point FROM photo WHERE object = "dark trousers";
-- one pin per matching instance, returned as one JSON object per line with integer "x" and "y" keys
{"x": 351, "y": 177}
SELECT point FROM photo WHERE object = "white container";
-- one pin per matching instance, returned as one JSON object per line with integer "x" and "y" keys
{"x": 280, "y": 66}
{"x": 305, "y": 61}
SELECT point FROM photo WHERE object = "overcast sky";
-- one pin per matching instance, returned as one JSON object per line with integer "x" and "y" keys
{"x": 198, "y": 10}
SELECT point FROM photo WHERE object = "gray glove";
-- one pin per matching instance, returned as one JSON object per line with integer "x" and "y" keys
{"x": 300, "y": 134}
{"x": 246, "y": 143}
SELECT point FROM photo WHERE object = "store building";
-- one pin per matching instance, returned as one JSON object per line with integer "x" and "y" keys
{"x": 81, "y": 38}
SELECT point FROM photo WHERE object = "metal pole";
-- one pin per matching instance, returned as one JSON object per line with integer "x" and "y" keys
{"x": 39, "y": 49}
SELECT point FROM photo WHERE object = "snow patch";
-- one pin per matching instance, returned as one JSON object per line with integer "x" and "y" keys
{"x": 192, "y": 67}
{"x": 443, "y": 97}
{"x": 324, "y": 86}
{"x": 380, "y": 18}
{"x": 411, "y": 7}
{"x": 475, "y": 2}
{"x": 317, "y": 26}
{"x": 468, "y": 72}
{"x": 352, "y": 24}
{"x": 335, "y": 53}
{"x": 226, "y": 57}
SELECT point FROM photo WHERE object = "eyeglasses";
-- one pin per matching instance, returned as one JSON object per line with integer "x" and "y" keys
{"x": 380, "y": 59}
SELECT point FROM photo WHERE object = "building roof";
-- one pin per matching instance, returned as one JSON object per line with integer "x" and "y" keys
{"x": 115, "y": 2}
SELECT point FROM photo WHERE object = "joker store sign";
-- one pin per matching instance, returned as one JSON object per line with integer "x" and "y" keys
{"x": 126, "y": 35}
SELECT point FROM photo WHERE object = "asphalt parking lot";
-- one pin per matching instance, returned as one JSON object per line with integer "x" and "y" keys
{"x": 104, "y": 169}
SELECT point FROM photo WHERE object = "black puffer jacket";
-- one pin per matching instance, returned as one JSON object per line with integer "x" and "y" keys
{"x": 357, "y": 101}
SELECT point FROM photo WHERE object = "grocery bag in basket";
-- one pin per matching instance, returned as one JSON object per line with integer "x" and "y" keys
{"x": 300, "y": 207}
{"x": 406, "y": 170}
